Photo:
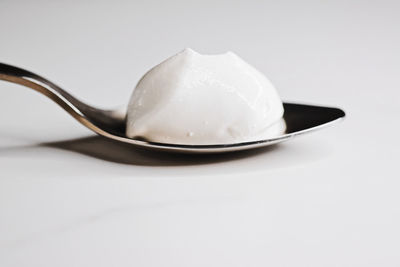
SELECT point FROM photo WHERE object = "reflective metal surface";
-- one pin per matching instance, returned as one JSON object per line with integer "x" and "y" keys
{"x": 299, "y": 118}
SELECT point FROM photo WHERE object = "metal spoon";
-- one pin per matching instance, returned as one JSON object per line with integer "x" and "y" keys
{"x": 299, "y": 118}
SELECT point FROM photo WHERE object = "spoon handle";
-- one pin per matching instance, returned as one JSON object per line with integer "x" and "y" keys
{"x": 26, "y": 78}
{"x": 98, "y": 120}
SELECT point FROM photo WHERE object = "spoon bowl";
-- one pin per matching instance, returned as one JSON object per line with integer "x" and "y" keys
{"x": 299, "y": 118}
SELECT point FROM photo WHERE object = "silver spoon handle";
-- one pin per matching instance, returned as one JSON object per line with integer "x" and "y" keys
{"x": 26, "y": 78}
{"x": 96, "y": 119}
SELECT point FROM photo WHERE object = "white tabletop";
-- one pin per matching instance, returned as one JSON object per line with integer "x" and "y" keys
{"x": 331, "y": 198}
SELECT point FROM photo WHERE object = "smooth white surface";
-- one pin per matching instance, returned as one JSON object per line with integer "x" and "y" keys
{"x": 196, "y": 99}
{"x": 327, "y": 199}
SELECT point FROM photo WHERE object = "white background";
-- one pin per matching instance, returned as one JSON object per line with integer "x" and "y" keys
{"x": 331, "y": 198}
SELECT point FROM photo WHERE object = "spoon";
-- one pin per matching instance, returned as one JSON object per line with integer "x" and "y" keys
{"x": 299, "y": 119}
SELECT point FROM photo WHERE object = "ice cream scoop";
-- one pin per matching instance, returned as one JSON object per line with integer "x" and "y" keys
{"x": 198, "y": 99}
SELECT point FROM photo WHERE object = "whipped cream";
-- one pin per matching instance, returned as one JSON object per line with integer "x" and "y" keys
{"x": 196, "y": 99}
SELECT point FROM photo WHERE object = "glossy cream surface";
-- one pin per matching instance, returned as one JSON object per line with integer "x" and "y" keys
{"x": 196, "y": 99}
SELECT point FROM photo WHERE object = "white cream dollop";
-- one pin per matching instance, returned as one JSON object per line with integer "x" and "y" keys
{"x": 196, "y": 99}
